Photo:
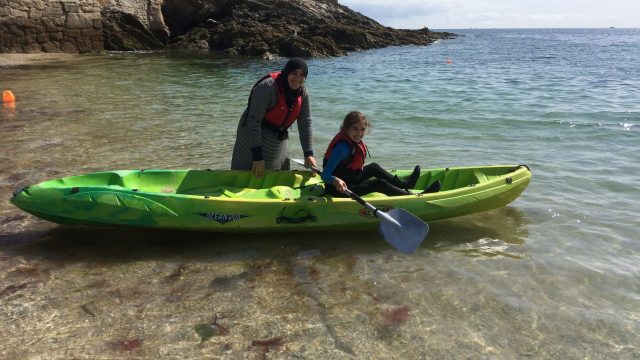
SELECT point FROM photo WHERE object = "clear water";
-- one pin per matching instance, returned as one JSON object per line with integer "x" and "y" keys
{"x": 553, "y": 275}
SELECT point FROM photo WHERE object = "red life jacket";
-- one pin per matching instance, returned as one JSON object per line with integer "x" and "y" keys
{"x": 281, "y": 116}
{"x": 354, "y": 162}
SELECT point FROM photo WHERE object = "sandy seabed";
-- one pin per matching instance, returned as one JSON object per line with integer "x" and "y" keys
{"x": 34, "y": 59}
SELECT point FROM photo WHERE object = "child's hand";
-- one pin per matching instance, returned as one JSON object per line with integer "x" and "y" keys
{"x": 339, "y": 184}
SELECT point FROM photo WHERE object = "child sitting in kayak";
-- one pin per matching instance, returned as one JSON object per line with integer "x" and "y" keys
{"x": 343, "y": 164}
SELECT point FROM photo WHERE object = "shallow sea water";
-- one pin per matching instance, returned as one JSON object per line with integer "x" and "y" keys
{"x": 552, "y": 275}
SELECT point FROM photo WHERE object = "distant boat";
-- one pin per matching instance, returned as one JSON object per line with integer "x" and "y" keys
{"x": 612, "y": 27}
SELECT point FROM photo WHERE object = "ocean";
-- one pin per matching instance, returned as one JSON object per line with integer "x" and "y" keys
{"x": 555, "y": 274}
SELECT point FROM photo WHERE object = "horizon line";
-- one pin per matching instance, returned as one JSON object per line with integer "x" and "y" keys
{"x": 526, "y": 28}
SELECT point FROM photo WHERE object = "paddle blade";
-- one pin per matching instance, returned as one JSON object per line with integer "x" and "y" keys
{"x": 407, "y": 237}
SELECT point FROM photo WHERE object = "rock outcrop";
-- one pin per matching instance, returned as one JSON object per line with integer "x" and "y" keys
{"x": 134, "y": 25}
{"x": 307, "y": 28}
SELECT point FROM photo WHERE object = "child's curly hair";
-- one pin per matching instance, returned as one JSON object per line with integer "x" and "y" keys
{"x": 352, "y": 118}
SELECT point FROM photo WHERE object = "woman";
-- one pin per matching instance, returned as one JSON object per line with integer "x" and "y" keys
{"x": 275, "y": 103}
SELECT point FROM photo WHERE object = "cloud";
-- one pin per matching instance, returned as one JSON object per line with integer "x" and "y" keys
{"x": 391, "y": 10}
{"x": 417, "y": 14}
{"x": 445, "y": 14}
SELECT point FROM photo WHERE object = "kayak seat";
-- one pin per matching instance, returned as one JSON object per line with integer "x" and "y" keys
{"x": 425, "y": 180}
{"x": 238, "y": 193}
{"x": 316, "y": 190}
{"x": 374, "y": 195}
{"x": 480, "y": 177}
{"x": 297, "y": 180}
{"x": 219, "y": 191}
{"x": 205, "y": 191}
{"x": 429, "y": 178}
{"x": 270, "y": 179}
{"x": 229, "y": 194}
{"x": 282, "y": 192}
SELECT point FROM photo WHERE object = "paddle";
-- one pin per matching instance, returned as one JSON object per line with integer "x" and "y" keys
{"x": 400, "y": 228}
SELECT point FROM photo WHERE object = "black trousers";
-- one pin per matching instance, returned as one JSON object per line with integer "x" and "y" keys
{"x": 372, "y": 178}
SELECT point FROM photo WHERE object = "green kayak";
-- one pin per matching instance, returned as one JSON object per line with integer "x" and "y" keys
{"x": 236, "y": 201}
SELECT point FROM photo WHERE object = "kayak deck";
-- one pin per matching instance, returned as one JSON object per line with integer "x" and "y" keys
{"x": 236, "y": 201}
{"x": 242, "y": 185}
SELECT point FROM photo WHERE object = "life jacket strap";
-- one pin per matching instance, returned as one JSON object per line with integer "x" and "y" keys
{"x": 280, "y": 131}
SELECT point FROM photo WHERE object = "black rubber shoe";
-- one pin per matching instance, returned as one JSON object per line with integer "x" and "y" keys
{"x": 433, "y": 188}
{"x": 413, "y": 179}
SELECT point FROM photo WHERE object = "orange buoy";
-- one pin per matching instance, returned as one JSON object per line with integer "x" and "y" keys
{"x": 8, "y": 97}
{"x": 449, "y": 61}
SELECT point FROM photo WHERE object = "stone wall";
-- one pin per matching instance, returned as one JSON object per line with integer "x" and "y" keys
{"x": 32, "y": 26}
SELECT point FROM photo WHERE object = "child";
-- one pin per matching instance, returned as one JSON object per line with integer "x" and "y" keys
{"x": 343, "y": 164}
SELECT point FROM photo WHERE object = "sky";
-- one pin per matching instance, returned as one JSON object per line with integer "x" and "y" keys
{"x": 464, "y": 14}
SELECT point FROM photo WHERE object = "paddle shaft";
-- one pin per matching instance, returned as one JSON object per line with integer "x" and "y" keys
{"x": 361, "y": 201}
{"x": 403, "y": 230}
{"x": 376, "y": 212}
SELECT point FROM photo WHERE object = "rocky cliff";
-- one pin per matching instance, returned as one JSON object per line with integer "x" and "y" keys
{"x": 308, "y": 28}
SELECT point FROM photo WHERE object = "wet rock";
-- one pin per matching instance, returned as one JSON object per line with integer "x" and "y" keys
{"x": 128, "y": 345}
{"x": 12, "y": 289}
{"x": 207, "y": 331}
{"x": 213, "y": 328}
{"x": 263, "y": 28}
{"x": 89, "y": 309}
{"x": 13, "y": 218}
{"x": 125, "y": 32}
{"x": 264, "y": 346}
{"x": 177, "y": 274}
{"x": 392, "y": 320}
{"x": 183, "y": 15}
{"x": 396, "y": 316}
{"x": 308, "y": 28}
{"x": 225, "y": 283}
{"x": 134, "y": 25}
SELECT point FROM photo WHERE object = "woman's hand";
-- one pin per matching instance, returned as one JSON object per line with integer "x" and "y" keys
{"x": 258, "y": 168}
{"x": 309, "y": 162}
{"x": 339, "y": 184}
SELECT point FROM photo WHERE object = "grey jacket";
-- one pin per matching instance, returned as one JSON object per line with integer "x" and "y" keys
{"x": 252, "y": 135}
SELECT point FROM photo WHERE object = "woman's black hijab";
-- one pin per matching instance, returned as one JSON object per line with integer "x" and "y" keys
{"x": 292, "y": 65}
